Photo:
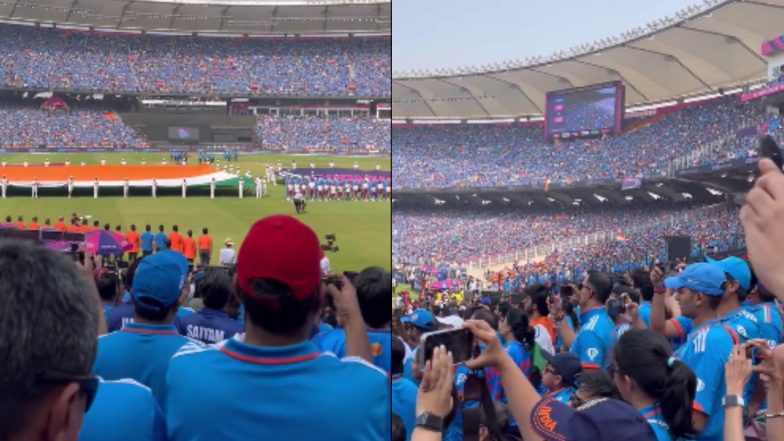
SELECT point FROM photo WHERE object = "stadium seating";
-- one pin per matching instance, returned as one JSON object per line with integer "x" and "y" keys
{"x": 345, "y": 135}
{"x": 73, "y": 60}
{"x": 485, "y": 155}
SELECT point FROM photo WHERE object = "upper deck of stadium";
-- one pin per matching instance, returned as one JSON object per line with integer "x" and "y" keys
{"x": 709, "y": 48}
{"x": 208, "y": 17}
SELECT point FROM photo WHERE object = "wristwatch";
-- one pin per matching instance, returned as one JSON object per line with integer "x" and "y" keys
{"x": 430, "y": 421}
{"x": 733, "y": 401}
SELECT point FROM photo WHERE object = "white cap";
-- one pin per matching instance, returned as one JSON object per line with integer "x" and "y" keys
{"x": 454, "y": 321}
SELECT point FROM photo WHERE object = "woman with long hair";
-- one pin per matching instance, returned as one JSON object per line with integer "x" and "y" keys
{"x": 514, "y": 327}
{"x": 660, "y": 386}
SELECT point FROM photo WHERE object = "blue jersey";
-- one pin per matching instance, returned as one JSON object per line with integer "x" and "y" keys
{"x": 564, "y": 395}
{"x": 141, "y": 352}
{"x": 146, "y": 240}
{"x": 558, "y": 340}
{"x": 683, "y": 325}
{"x": 706, "y": 351}
{"x": 653, "y": 416}
{"x": 593, "y": 341}
{"x": 307, "y": 394}
{"x": 107, "y": 309}
{"x": 454, "y": 432}
{"x": 404, "y": 394}
{"x": 325, "y": 327}
{"x": 522, "y": 360}
{"x": 408, "y": 367}
{"x": 380, "y": 345}
{"x": 124, "y": 313}
{"x": 160, "y": 241}
{"x": 645, "y": 313}
{"x": 743, "y": 323}
{"x": 209, "y": 326}
{"x": 769, "y": 322}
{"x": 123, "y": 410}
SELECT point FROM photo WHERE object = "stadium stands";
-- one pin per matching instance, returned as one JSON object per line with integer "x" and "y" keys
{"x": 74, "y": 60}
{"x": 491, "y": 155}
{"x": 345, "y": 135}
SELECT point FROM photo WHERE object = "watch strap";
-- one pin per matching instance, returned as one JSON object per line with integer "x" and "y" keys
{"x": 733, "y": 401}
{"x": 430, "y": 421}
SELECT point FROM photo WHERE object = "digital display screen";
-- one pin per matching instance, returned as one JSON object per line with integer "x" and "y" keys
{"x": 586, "y": 111}
{"x": 184, "y": 133}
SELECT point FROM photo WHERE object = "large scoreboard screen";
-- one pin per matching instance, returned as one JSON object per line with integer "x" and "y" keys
{"x": 585, "y": 111}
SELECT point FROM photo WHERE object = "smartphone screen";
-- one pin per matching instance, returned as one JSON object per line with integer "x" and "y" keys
{"x": 458, "y": 341}
{"x": 770, "y": 150}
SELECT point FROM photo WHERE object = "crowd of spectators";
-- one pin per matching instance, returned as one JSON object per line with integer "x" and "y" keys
{"x": 84, "y": 126}
{"x": 516, "y": 154}
{"x": 75, "y": 60}
{"x": 345, "y": 135}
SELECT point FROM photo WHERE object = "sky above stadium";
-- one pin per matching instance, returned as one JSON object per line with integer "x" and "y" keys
{"x": 451, "y": 33}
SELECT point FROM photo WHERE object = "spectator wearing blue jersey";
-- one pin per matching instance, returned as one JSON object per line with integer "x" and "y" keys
{"x": 48, "y": 332}
{"x": 374, "y": 292}
{"x": 211, "y": 324}
{"x": 147, "y": 241}
{"x": 124, "y": 410}
{"x": 291, "y": 389}
{"x": 141, "y": 350}
{"x": 561, "y": 374}
{"x": 404, "y": 391}
{"x": 594, "y": 339}
{"x": 699, "y": 290}
{"x": 514, "y": 327}
{"x": 161, "y": 239}
{"x": 641, "y": 281}
{"x": 731, "y": 310}
{"x": 109, "y": 289}
{"x": 418, "y": 323}
{"x": 650, "y": 379}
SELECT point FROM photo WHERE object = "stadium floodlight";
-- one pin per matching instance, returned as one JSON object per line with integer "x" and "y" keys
{"x": 687, "y": 196}
{"x": 655, "y": 196}
{"x": 629, "y": 198}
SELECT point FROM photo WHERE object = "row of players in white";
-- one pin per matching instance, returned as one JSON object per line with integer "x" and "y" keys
{"x": 261, "y": 188}
{"x": 313, "y": 191}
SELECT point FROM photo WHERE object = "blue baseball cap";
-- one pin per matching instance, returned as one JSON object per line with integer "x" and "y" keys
{"x": 699, "y": 277}
{"x": 735, "y": 267}
{"x": 159, "y": 280}
{"x": 602, "y": 419}
{"x": 421, "y": 318}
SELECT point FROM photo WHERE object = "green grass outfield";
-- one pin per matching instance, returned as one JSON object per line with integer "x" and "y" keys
{"x": 363, "y": 229}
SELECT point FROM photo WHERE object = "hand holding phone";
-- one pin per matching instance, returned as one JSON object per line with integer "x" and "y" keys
{"x": 460, "y": 342}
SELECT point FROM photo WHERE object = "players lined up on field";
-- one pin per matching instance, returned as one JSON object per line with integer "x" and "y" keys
{"x": 338, "y": 189}
{"x": 260, "y": 187}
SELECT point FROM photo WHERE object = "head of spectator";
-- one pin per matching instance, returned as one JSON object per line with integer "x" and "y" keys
{"x": 398, "y": 355}
{"x": 648, "y": 376}
{"x": 562, "y": 371}
{"x": 515, "y": 327}
{"x": 419, "y": 322}
{"x": 594, "y": 291}
{"x": 398, "y": 428}
{"x": 501, "y": 309}
{"x": 47, "y": 351}
{"x": 278, "y": 279}
{"x": 129, "y": 274}
{"x": 108, "y": 286}
{"x": 535, "y": 303}
{"x": 592, "y": 385}
{"x": 699, "y": 290}
{"x": 641, "y": 280}
{"x": 214, "y": 287}
{"x": 158, "y": 286}
{"x": 374, "y": 292}
{"x": 487, "y": 316}
{"x": 738, "y": 283}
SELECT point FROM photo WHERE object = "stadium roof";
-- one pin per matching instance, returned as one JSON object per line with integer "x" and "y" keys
{"x": 308, "y": 17}
{"x": 699, "y": 50}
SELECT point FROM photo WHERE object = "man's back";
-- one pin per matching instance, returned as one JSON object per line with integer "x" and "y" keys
{"x": 205, "y": 242}
{"x": 189, "y": 248}
{"x": 209, "y": 326}
{"x": 160, "y": 241}
{"x": 176, "y": 241}
{"x": 141, "y": 352}
{"x": 227, "y": 256}
{"x": 133, "y": 239}
{"x": 123, "y": 410}
{"x": 147, "y": 239}
{"x": 292, "y": 392}
{"x": 404, "y": 393}
{"x": 380, "y": 345}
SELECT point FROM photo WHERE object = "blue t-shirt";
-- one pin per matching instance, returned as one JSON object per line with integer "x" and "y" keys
{"x": 653, "y": 415}
{"x": 769, "y": 322}
{"x": 124, "y": 313}
{"x": 522, "y": 360}
{"x": 564, "y": 395}
{"x": 146, "y": 239}
{"x": 743, "y": 322}
{"x": 559, "y": 340}
{"x": 593, "y": 342}
{"x": 380, "y": 345}
{"x": 123, "y": 410}
{"x": 408, "y": 367}
{"x": 209, "y": 325}
{"x": 706, "y": 351}
{"x": 141, "y": 352}
{"x": 160, "y": 241}
{"x": 289, "y": 392}
{"x": 683, "y": 325}
{"x": 404, "y": 394}
{"x": 645, "y": 313}
{"x": 454, "y": 432}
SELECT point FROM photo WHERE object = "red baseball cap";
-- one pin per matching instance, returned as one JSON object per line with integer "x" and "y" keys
{"x": 284, "y": 249}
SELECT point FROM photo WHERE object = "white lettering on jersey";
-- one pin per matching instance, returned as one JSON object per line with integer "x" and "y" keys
{"x": 127, "y": 320}
{"x": 202, "y": 333}
{"x": 742, "y": 331}
{"x": 700, "y": 385}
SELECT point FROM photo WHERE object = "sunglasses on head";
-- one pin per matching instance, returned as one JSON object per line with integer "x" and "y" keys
{"x": 88, "y": 384}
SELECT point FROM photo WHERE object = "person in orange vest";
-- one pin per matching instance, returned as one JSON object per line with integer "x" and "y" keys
{"x": 47, "y": 224}
{"x": 176, "y": 240}
{"x": 133, "y": 239}
{"x": 74, "y": 227}
{"x": 189, "y": 247}
{"x": 85, "y": 227}
{"x": 59, "y": 225}
{"x": 205, "y": 248}
{"x": 96, "y": 226}
{"x": 34, "y": 224}
{"x": 20, "y": 223}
